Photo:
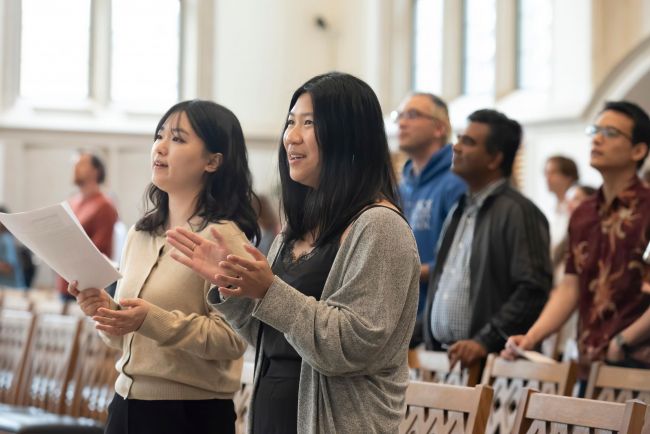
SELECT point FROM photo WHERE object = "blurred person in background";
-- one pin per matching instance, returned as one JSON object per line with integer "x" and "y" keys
{"x": 561, "y": 175}
{"x": 94, "y": 209}
{"x": 269, "y": 222}
{"x": 428, "y": 188}
{"x": 11, "y": 270}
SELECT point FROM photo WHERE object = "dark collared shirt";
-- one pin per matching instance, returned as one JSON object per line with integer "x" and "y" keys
{"x": 606, "y": 244}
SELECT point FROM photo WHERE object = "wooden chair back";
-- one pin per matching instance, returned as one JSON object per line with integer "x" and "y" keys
{"x": 433, "y": 366}
{"x": 48, "y": 305}
{"x": 15, "y": 331}
{"x": 92, "y": 386}
{"x": 543, "y": 413}
{"x": 48, "y": 367}
{"x": 242, "y": 398}
{"x": 434, "y": 408}
{"x": 16, "y": 299}
{"x": 616, "y": 384}
{"x": 510, "y": 378}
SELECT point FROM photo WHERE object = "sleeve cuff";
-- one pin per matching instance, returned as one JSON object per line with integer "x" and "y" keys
{"x": 279, "y": 299}
{"x": 156, "y": 324}
{"x": 214, "y": 296}
{"x": 492, "y": 341}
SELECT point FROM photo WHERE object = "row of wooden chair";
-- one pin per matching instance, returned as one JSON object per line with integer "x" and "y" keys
{"x": 435, "y": 408}
{"x": 50, "y": 366}
{"x": 511, "y": 380}
{"x": 38, "y": 301}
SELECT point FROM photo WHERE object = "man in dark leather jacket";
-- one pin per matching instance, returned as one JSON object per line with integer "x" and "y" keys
{"x": 493, "y": 272}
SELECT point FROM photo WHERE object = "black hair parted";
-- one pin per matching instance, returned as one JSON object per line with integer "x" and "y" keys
{"x": 641, "y": 130}
{"x": 505, "y": 136}
{"x": 227, "y": 193}
{"x": 355, "y": 164}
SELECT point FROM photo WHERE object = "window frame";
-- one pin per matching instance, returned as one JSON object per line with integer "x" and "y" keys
{"x": 98, "y": 112}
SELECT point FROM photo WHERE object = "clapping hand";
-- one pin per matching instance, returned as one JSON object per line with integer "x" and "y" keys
{"x": 236, "y": 276}
{"x": 201, "y": 255}
{"x": 253, "y": 277}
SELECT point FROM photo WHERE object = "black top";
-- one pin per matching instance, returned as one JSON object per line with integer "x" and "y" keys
{"x": 275, "y": 404}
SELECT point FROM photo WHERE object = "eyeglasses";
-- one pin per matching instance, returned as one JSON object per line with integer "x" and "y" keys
{"x": 410, "y": 114}
{"x": 606, "y": 132}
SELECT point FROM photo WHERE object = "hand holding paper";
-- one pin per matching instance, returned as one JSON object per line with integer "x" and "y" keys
{"x": 533, "y": 356}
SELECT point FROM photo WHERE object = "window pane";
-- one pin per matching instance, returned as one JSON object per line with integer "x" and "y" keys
{"x": 145, "y": 53}
{"x": 534, "y": 44}
{"x": 479, "y": 30}
{"x": 427, "y": 68}
{"x": 55, "y": 50}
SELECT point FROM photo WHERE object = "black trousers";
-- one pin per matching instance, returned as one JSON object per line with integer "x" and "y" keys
{"x": 134, "y": 416}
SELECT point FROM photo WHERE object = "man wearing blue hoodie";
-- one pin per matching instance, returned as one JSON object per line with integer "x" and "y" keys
{"x": 428, "y": 188}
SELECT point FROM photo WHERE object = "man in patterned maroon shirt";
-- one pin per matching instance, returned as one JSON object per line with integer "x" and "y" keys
{"x": 608, "y": 234}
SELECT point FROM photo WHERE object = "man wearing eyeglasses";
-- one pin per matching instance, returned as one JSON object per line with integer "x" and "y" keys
{"x": 605, "y": 268}
{"x": 428, "y": 188}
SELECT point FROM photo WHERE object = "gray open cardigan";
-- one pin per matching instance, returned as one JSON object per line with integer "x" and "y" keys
{"x": 354, "y": 341}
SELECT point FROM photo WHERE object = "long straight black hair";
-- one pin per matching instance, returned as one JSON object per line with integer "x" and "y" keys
{"x": 355, "y": 165}
{"x": 227, "y": 193}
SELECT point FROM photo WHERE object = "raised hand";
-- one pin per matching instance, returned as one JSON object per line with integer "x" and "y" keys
{"x": 89, "y": 299}
{"x": 249, "y": 278}
{"x": 200, "y": 254}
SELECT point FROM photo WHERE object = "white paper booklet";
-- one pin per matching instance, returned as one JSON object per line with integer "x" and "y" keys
{"x": 56, "y": 236}
{"x": 533, "y": 356}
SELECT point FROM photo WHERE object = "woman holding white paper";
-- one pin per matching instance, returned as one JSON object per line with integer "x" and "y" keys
{"x": 181, "y": 362}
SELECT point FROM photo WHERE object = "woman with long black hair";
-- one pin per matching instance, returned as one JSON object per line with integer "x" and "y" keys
{"x": 332, "y": 310}
{"x": 181, "y": 362}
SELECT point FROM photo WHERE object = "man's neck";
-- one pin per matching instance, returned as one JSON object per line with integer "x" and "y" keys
{"x": 475, "y": 186}
{"x": 561, "y": 195}
{"x": 420, "y": 159}
{"x": 615, "y": 181}
{"x": 89, "y": 190}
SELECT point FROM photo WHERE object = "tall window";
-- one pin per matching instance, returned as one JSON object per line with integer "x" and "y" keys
{"x": 479, "y": 46}
{"x": 145, "y": 52}
{"x": 427, "y": 36}
{"x": 55, "y": 50}
{"x": 118, "y": 51}
{"x": 534, "y": 27}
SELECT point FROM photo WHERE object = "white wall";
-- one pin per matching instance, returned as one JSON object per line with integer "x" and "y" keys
{"x": 251, "y": 56}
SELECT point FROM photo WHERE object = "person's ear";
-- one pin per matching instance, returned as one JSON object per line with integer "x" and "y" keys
{"x": 495, "y": 161}
{"x": 639, "y": 151}
{"x": 214, "y": 161}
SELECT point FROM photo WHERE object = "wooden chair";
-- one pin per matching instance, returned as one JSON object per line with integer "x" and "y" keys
{"x": 434, "y": 408}
{"x": 16, "y": 299}
{"x": 48, "y": 369}
{"x": 49, "y": 364}
{"x": 92, "y": 385}
{"x": 541, "y": 413}
{"x": 48, "y": 305}
{"x": 433, "y": 366}
{"x": 15, "y": 332}
{"x": 242, "y": 398}
{"x": 616, "y": 384}
{"x": 509, "y": 380}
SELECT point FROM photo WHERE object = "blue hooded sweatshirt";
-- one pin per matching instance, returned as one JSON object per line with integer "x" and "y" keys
{"x": 426, "y": 200}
